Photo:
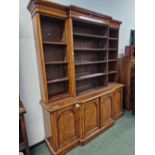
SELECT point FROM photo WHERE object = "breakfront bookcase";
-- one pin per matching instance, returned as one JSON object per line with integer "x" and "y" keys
{"x": 77, "y": 52}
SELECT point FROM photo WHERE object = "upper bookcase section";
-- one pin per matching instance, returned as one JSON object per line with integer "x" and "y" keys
{"x": 76, "y": 13}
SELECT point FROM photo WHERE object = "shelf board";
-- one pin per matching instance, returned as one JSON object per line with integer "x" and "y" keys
{"x": 90, "y": 76}
{"x": 58, "y": 96}
{"x": 56, "y": 62}
{"x": 112, "y": 38}
{"x": 89, "y": 62}
{"x": 112, "y": 60}
{"x": 112, "y": 72}
{"x": 90, "y": 90}
{"x": 90, "y": 36}
{"x": 54, "y": 43}
{"x": 58, "y": 80}
{"x": 90, "y": 49}
{"x": 113, "y": 49}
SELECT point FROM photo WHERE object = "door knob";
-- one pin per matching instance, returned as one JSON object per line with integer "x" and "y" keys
{"x": 77, "y": 106}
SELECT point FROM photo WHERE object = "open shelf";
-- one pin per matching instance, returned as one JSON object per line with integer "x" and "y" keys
{"x": 56, "y": 62}
{"x": 113, "y": 33}
{"x": 90, "y": 76}
{"x": 112, "y": 72}
{"x": 91, "y": 49}
{"x": 90, "y": 36}
{"x": 90, "y": 43}
{"x": 112, "y": 60}
{"x": 89, "y": 63}
{"x": 113, "y": 49}
{"x": 113, "y": 44}
{"x": 112, "y": 66}
{"x": 112, "y": 77}
{"x": 53, "y": 30}
{"x": 58, "y": 80}
{"x": 58, "y": 90}
{"x": 89, "y": 28}
{"x": 54, "y": 43}
{"x": 85, "y": 86}
{"x": 111, "y": 38}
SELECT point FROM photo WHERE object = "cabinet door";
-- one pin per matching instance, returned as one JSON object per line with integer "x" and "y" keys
{"x": 118, "y": 102}
{"x": 67, "y": 126}
{"x": 91, "y": 116}
{"x": 106, "y": 109}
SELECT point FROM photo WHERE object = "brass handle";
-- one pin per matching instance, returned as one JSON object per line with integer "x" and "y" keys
{"x": 77, "y": 106}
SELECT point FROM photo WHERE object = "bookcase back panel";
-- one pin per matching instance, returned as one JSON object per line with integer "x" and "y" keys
{"x": 55, "y": 53}
{"x": 112, "y": 66}
{"x": 52, "y": 29}
{"x": 113, "y": 33}
{"x": 89, "y": 43}
{"x": 85, "y": 28}
{"x": 55, "y": 72}
{"x": 113, "y": 44}
{"x": 112, "y": 77}
{"x": 58, "y": 90}
{"x": 90, "y": 56}
{"x": 89, "y": 85}
{"x": 112, "y": 55}
{"x": 90, "y": 69}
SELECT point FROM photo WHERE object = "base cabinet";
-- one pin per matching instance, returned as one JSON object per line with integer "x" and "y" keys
{"x": 80, "y": 122}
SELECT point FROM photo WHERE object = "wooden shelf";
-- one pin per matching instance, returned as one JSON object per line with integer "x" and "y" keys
{"x": 89, "y": 62}
{"x": 58, "y": 96}
{"x": 90, "y": 36}
{"x": 56, "y": 62}
{"x": 113, "y": 49}
{"x": 54, "y": 43}
{"x": 112, "y": 60}
{"x": 58, "y": 80}
{"x": 90, "y": 49}
{"x": 112, "y": 72}
{"x": 111, "y": 38}
{"x": 90, "y": 76}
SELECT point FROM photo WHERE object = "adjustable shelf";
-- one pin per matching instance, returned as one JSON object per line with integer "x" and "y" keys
{"x": 54, "y": 43}
{"x": 113, "y": 49}
{"x": 90, "y": 36}
{"x": 90, "y": 49}
{"x": 90, "y": 76}
{"x": 112, "y": 72}
{"x": 56, "y": 62}
{"x": 89, "y": 63}
{"x": 111, "y": 38}
{"x": 58, "y": 80}
{"x": 112, "y": 60}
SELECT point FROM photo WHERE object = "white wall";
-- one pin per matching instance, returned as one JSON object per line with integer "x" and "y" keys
{"x": 29, "y": 83}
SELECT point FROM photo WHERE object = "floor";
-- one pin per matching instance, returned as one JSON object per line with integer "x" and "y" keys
{"x": 118, "y": 140}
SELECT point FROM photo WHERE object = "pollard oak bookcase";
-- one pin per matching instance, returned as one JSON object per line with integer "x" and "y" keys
{"x": 77, "y": 52}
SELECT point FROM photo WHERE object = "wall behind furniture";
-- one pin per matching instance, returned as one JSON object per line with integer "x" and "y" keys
{"x": 29, "y": 83}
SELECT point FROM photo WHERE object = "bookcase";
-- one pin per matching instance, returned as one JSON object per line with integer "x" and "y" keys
{"x": 77, "y": 52}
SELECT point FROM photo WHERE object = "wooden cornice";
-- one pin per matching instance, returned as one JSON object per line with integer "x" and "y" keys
{"x": 46, "y": 6}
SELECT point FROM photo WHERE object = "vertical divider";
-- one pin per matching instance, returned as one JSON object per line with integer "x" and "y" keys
{"x": 70, "y": 50}
{"x": 40, "y": 56}
{"x": 116, "y": 78}
{"x": 108, "y": 58}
